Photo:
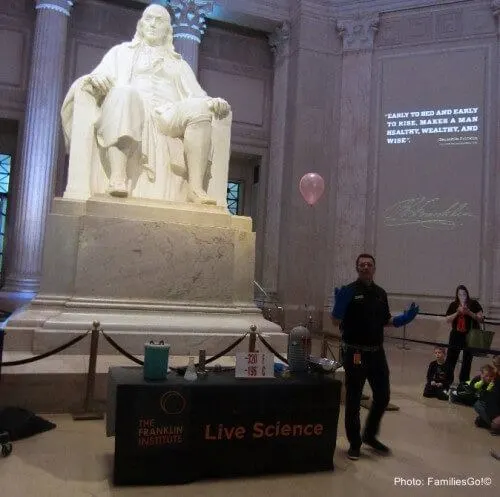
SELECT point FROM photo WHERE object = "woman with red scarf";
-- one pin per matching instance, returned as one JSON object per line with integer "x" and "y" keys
{"x": 464, "y": 313}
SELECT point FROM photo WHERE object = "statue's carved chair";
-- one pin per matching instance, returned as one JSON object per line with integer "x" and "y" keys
{"x": 87, "y": 172}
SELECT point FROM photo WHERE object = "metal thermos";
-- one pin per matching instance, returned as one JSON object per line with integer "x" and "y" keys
{"x": 299, "y": 347}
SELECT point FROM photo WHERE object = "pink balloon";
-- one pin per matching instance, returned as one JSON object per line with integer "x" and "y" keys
{"x": 311, "y": 187}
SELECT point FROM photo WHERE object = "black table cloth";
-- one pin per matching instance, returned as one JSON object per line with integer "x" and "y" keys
{"x": 175, "y": 431}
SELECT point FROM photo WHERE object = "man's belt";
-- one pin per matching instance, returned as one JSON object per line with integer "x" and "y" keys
{"x": 361, "y": 348}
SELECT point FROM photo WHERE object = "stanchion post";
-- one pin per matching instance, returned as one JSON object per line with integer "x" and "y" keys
{"x": 404, "y": 346}
{"x": 281, "y": 317}
{"x": 88, "y": 412}
{"x": 253, "y": 338}
{"x": 2, "y": 331}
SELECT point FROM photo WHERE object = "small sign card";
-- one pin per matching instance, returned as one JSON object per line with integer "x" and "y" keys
{"x": 254, "y": 365}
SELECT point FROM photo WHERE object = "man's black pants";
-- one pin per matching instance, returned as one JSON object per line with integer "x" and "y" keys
{"x": 373, "y": 368}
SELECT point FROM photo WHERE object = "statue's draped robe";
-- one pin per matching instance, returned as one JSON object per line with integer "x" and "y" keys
{"x": 158, "y": 168}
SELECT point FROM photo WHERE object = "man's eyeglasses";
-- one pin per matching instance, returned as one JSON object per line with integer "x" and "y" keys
{"x": 366, "y": 264}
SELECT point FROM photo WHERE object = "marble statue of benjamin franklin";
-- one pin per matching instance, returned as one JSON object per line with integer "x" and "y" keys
{"x": 140, "y": 124}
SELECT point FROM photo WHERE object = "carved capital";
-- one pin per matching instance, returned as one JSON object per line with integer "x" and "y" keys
{"x": 188, "y": 18}
{"x": 358, "y": 33}
{"x": 60, "y": 6}
{"x": 495, "y": 7}
{"x": 279, "y": 40}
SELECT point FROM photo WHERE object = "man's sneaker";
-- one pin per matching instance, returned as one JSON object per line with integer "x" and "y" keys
{"x": 480, "y": 423}
{"x": 377, "y": 446}
{"x": 353, "y": 453}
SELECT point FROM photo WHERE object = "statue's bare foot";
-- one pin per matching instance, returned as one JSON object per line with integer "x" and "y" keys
{"x": 118, "y": 190}
{"x": 200, "y": 197}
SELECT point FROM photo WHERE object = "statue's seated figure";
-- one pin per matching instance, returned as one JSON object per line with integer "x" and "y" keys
{"x": 140, "y": 124}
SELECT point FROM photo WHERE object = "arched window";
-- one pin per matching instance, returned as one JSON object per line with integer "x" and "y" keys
{"x": 234, "y": 197}
{"x": 5, "y": 162}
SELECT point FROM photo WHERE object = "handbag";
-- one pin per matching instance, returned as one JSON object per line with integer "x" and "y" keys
{"x": 479, "y": 338}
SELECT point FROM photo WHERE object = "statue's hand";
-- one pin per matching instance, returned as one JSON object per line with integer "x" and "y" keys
{"x": 101, "y": 83}
{"x": 219, "y": 107}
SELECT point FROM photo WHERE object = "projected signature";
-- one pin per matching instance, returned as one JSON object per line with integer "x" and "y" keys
{"x": 428, "y": 213}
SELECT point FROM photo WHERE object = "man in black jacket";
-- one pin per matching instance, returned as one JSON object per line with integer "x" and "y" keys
{"x": 361, "y": 311}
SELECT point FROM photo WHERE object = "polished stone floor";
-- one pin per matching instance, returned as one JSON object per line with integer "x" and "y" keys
{"x": 430, "y": 439}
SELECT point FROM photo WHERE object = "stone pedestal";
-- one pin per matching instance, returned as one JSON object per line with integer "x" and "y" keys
{"x": 145, "y": 270}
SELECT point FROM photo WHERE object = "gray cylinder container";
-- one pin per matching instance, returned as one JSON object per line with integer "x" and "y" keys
{"x": 299, "y": 346}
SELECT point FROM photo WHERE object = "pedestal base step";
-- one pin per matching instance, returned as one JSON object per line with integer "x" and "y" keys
{"x": 39, "y": 330}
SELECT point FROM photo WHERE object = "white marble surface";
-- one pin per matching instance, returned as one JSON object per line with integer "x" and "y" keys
{"x": 101, "y": 205}
{"x": 38, "y": 330}
{"x": 154, "y": 260}
{"x": 143, "y": 273}
{"x": 147, "y": 253}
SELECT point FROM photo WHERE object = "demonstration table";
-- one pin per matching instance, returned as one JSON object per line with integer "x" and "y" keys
{"x": 176, "y": 431}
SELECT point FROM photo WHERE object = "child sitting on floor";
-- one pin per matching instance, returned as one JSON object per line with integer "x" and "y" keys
{"x": 471, "y": 391}
{"x": 438, "y": 376}
{"x": 488, "y": 407}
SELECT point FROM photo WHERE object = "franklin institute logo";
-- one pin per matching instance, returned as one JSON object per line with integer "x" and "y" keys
{"x": 172, "y": 402}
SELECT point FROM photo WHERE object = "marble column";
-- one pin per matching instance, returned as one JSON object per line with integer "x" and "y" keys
{"x": 35, "y": 181}
{"x": 279, "y": 41}
{"x": 310, "y": 137}
{"x": 494, "y": 308}
{"x": 188, "y": 21}
{"x": 357, "y": 36}
{"x": 495, "y": 7}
